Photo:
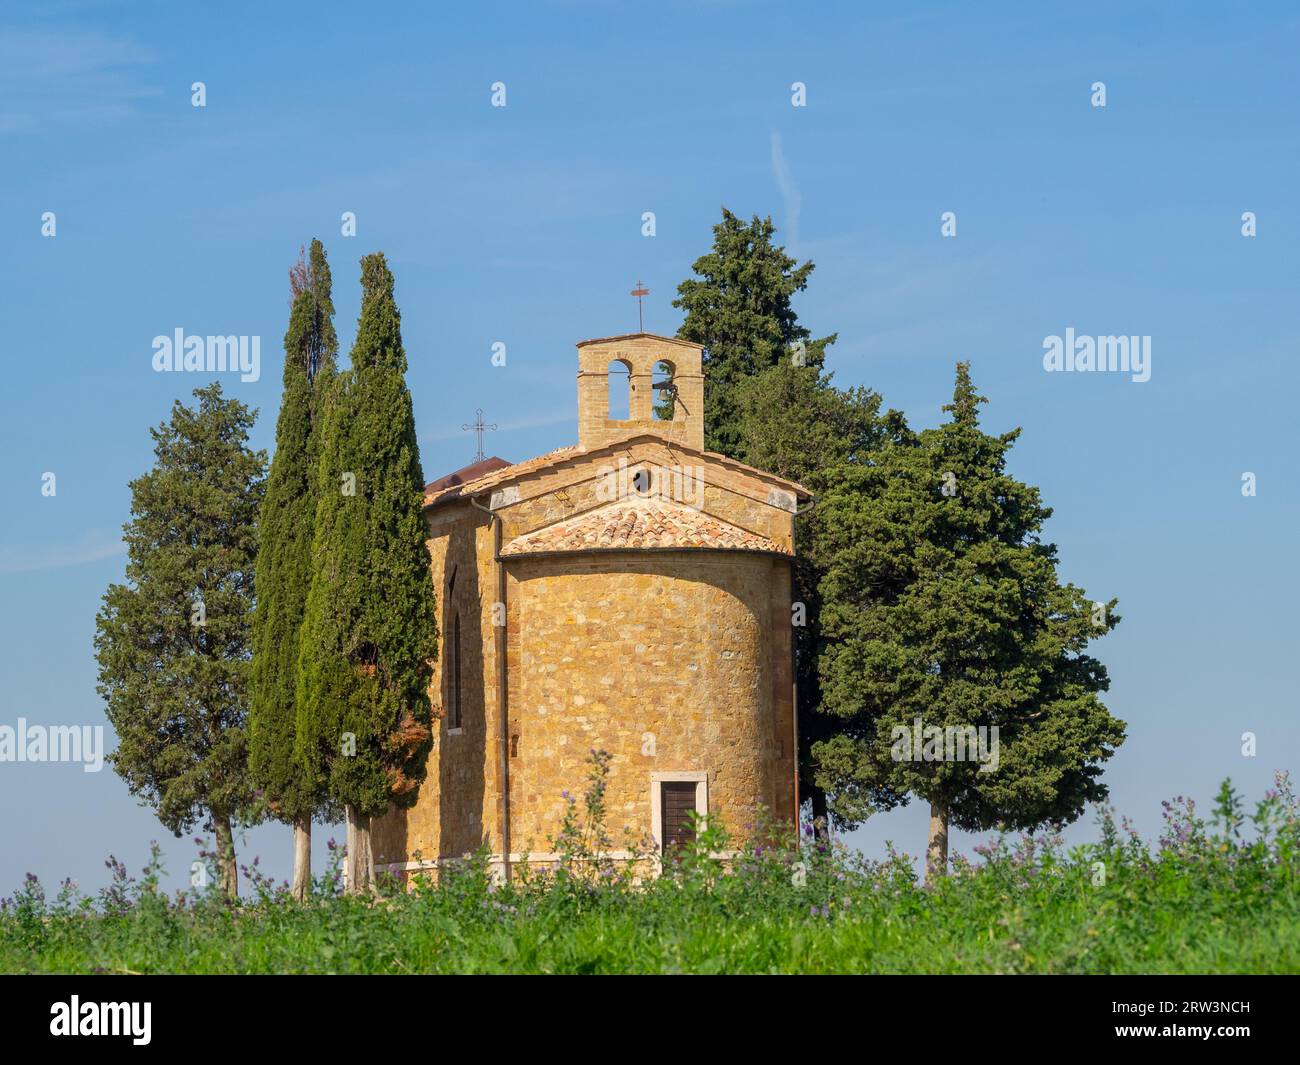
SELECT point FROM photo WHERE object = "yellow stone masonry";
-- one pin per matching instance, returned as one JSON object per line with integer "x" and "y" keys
{"x": 677, "y": 660}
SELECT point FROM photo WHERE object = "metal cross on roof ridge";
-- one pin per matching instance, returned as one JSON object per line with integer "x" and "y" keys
{"x": 640, "y": 292}
{"x": 479, "y": 429}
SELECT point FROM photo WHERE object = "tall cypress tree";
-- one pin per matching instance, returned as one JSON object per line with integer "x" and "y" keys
{"x": 173, "y": 643}
{"x": 284, "y": 561}
{"x": 738, "y": 307}
{"x": 943, "y": 610}
{"x": 369, "y": 635}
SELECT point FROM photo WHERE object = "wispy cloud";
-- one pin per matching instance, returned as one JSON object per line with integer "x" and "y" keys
{"x": 789, "y": 192}
{"x": 52, "y": 77}
{"x": 94, "y": 547}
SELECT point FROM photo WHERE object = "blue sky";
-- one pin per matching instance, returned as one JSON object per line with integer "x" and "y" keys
{"x": 522, "y": 225}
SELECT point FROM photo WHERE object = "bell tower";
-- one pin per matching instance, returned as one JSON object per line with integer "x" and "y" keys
{"x": 604, "y": 365}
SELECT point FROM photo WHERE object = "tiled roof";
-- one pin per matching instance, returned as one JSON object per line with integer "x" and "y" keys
{"x": 640, "y": 523}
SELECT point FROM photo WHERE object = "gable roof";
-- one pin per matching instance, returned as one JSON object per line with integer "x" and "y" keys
{"x": 436, "y": 493}
{"x": 640, "y": 523}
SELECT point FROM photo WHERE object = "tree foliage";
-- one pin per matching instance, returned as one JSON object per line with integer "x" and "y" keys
{"x": 173, "y": 642}
{"x": 943, "y": 604}
{"x": 369, "y": 633}
{"x": 285, "y": 545}
{"x": 738, "y": 307}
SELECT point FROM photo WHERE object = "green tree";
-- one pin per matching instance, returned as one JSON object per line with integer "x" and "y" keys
{"x": 284, "y": 561}
{"x": 944, "y": 610}
{"x": 369, "y": 634}
{"x": 738, "y": 307}
{"x": 173, "y": 643}
{"x": 795, "y": 423}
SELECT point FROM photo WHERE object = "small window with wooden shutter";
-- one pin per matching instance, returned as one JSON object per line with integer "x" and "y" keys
{"x": 678, "y": 798}
{"x": 677, "y": 803}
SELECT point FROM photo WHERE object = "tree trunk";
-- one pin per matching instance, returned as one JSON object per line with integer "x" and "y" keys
{"x": 821, "y": 816}
{"x": 359, "y": 863}
{"x": 302, "y": 857}
{"x": 936, "y": 851}
{"x": 227, "y": 869}
{"x": 349, "y": 851}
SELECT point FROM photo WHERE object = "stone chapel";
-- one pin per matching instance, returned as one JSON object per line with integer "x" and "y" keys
{"x": 631, "y": 593}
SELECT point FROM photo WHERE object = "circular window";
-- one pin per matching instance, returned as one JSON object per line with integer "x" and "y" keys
{"x": 641, "y": 481}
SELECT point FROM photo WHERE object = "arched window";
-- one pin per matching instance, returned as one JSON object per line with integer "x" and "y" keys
{"x": 665, "y": 391}
{"x": 620, "y": 391}
{"x": 453, "y": 679}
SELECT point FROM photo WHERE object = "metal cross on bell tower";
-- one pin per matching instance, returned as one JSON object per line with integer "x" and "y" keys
{"x": 479, "y": 429}
{"x": 640, "y": 292}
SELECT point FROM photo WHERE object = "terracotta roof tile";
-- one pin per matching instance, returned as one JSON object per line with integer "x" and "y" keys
{"x": 640, "y": 523}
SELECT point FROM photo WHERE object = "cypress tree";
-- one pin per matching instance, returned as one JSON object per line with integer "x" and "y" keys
{"x": 738, "y": 307}
{"x": 369, "y": 634}
{"x": 944, "y": 610}
{"x": 284, "y": 561}
{"x": 173, "y": 643}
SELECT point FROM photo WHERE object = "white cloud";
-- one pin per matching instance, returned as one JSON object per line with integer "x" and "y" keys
{"x": 54, "y": 77}
{"x": 30, "y": 559}
{"x": 789, "y": 192}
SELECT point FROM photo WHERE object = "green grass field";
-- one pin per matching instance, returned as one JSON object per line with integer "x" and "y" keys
{"x": 1214, "y": 897}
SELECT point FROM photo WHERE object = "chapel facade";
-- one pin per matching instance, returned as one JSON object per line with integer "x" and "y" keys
{"x": 631, "y": 594}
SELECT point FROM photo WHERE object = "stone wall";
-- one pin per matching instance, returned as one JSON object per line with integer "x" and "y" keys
{"x": 671, "y": 662}
{"x": 639, "y": 354}
{"x": 457, "y": 809}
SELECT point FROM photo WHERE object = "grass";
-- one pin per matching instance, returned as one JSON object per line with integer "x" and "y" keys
{"x": 1204, "y": 898}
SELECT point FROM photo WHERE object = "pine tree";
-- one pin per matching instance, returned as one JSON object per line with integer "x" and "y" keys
{"x": 173, "y": 643}
{"x": 943, "y": 609}
{"x": 369, "y": 634}
{"x": 738, "y": 307}
{"x": 284, "y": 561}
